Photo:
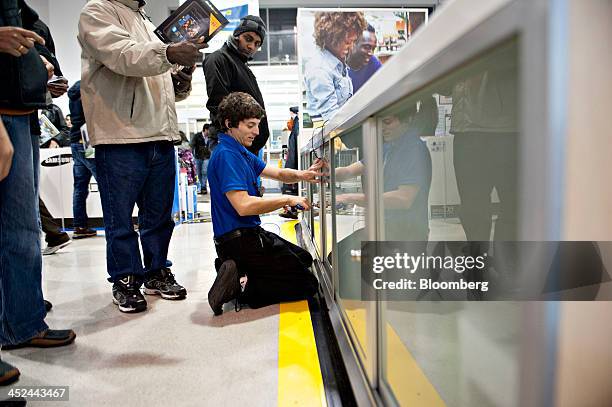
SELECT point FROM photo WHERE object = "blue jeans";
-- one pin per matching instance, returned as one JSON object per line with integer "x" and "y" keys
{"x": 82, "y": 171}
{"x": 202, "y": 173}
{"x": 142, "y": 174}
{"x": 22, "y": 310}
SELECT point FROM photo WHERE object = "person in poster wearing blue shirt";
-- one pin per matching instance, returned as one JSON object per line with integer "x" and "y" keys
{"x": 361, "y": 61}
{"x": 255, "y": 267}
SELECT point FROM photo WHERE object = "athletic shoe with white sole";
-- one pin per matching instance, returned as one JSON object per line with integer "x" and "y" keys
{"x": 53, "y": 249}
{"x": 127, "y": 295}
{"x": 163, "y": 283}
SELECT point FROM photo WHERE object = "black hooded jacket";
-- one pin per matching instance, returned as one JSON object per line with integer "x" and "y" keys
{"x": 24, "y": 78}
{"x": 226, "y": 71}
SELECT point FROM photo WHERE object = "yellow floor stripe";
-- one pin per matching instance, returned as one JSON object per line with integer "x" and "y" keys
{"x": 409, "y": 384}
{"x": 300, "y": 381}
{"x": 287, "y": 230}
{"x": 299, "y": 374}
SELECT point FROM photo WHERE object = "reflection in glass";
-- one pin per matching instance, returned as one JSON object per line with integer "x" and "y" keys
{"x": 316, "y": 203}
{"x": 454, "y": 353}
{"x": 328, "y": 208}
{"x": 351, "y": 230}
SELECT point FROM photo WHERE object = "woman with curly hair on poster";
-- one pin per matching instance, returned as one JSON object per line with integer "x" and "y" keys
{"x": 328, "y": 85}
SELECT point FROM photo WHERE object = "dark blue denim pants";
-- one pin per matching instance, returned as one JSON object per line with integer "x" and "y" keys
{"x": 142, "y": 174}
{"x": 82, "y": 170}
{"x": 22, "y": 310}
{"x": 202, "y": 172}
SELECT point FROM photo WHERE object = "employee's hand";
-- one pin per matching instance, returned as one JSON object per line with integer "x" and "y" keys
{"x": 294, "y": 201}
{"x": 314, "y": 173}
{"x": 185, "y": 53}
{"x": 318, "y": 164}
{"x": 49, "y": 67}
{"x": 58, "y": 88}
{"x": 321, "y": 167}
{"x": 17, "y": 41}
{"x": 53, "y": 144}
{"x": 6, "y": 152}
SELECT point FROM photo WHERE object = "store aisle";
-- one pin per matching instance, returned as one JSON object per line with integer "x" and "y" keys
{"x": 176, "y": 353}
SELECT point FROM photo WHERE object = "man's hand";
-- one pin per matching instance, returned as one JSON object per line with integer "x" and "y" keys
{"x": 185, "y": 53}
{"x": 53, "y": 144}
{"x": 314, "y": 174}
{"x": 49, "y": 67}
{"x": 294, "y": 201}
{"x": 17, "y": 41}
{"x": 319, "y": 164}
{"x": 58, "y": 88}
{"x": 6, "y": 152}
{"x": 182, "y": 80}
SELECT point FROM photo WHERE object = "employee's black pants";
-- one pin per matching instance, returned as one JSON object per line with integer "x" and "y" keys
{"x": 277, "y": 270}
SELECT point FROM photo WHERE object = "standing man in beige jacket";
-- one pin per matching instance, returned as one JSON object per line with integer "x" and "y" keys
{"x": 128, "y": 95}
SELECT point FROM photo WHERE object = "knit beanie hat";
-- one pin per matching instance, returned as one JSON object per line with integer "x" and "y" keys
{"x": 251, "y": 24}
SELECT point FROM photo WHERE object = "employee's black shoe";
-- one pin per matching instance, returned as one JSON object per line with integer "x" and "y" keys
{"x": 218, "y": 264}
{"x": 225, "y": 288}
{"x": 163, "y": 283}
{"x": 127, "y": 295}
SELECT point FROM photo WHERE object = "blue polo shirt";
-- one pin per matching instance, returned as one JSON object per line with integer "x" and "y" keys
{"x": 232, "y": 168}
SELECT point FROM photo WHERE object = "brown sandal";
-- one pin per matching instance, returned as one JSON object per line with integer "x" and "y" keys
{"x": 50, "y": 338}
{"x": 8, "y": 373}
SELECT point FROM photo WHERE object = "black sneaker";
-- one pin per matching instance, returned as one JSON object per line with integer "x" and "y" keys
{"x": 163, "y": 283}
{"x": 127, "y": 295}
{"x": 225, "y": 288}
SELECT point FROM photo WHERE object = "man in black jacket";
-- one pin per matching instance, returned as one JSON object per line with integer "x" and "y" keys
{"x": 226, "y": 71}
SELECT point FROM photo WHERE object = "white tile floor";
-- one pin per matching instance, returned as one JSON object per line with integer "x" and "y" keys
{"x": 175, "y": 354}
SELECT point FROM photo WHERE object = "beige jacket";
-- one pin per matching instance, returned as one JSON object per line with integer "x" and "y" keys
{"x": 126, "y": 86}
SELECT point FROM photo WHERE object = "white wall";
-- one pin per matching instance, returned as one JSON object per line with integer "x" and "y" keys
{"x": 41, "y": 7}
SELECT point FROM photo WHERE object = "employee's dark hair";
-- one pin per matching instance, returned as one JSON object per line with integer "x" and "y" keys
{"x": 236, "y": 107}
{"x": 206, "y": 126}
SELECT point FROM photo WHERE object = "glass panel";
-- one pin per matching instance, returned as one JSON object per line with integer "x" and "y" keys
{"x": 282, "y": 19}
{"x": 351, "y": 229}
{"x": 328, "y": 208}
{"x": 449, "y": 162}
{"x": 283, "y": 47}
{"x": 261, "y": 56}
{"x": 316, "y": 200}
{"x": 305, "y": 189}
